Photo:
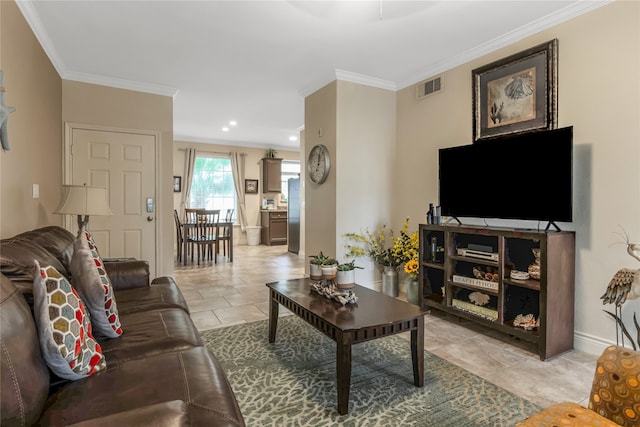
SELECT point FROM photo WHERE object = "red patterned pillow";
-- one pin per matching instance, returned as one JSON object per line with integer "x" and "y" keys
{"x": 64, "y": 329}
{"x": 94, "y": 286}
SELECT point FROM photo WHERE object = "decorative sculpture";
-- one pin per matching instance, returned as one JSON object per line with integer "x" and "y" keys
{"x": 625, "y": 285}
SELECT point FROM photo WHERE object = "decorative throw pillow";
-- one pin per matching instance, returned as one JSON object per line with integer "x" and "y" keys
{"x": 64, "y": 329}
{"x": 94, "y": 286}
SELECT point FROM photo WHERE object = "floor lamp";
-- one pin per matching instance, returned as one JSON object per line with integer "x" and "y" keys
{"x": 83, "y": 201}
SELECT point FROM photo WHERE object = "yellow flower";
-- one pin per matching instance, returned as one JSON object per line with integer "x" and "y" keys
{"x": 403, "y": 247}
{"x": 411, "y": 268}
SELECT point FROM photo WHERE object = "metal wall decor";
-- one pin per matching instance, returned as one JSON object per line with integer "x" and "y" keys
{"x": 516, "y": 94}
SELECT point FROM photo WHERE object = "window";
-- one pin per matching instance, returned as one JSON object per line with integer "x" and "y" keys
{"x": 212, "y": 185}
{"x": 290, "y": 169}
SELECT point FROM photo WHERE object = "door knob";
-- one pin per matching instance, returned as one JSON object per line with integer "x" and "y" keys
{"x": 149, "y": 218}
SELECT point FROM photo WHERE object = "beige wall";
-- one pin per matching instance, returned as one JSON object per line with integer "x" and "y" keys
{"x": 320, "y": 199}
{"x": 599, "y": 95}
{"x": 35, "y": 129}
{"x": 364, "y": 164}
{"x": 357, "y": 124}
{"x": 125, "y": 109}
{"x": 253, "y": 170}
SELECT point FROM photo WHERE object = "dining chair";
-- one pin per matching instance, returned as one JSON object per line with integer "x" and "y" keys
{"x": 190, "y": 215}
{"x": 189, "y": 230}
{"x": 207, "y": 224}
{"x": 180, "y": 242}
{"x": 224, "y": 233}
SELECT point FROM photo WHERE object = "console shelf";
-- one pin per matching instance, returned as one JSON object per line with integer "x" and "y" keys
{"x": 549, "y": 299}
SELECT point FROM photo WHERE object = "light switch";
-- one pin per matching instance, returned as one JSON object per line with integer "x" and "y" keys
{"x": 36, "y": 191}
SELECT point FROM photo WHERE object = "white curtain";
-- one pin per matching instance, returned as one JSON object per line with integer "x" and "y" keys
{"x": 189, "y": 163}
{"x": 237, "y": 168}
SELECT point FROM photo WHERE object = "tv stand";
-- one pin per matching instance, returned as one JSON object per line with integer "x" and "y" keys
{"x": 482, "y": 291}
{"x": 549, "y": 224}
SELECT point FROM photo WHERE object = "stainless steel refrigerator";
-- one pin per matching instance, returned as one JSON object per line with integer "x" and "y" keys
{"x": 293, "y": 215}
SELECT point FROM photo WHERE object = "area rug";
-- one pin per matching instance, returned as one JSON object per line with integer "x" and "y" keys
{"x": 292, "y": 382}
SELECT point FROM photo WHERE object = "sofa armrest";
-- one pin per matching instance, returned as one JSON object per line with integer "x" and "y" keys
{"x": 127, "y": 274}
{"x": 172, "y": 413}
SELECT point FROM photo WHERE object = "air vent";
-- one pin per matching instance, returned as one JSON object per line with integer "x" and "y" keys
{"x": 429, "y": 87}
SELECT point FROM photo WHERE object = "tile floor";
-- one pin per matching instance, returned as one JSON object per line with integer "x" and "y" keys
{"x": 226, "y": 294}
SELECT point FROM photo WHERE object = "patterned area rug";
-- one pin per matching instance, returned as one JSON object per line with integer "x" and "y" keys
{"x": 292, "y": 382}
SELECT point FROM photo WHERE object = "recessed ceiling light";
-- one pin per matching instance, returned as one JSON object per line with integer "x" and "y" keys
{"x": 293, "y": 138}
{"x": 225, "y": 129}
{"x": 233, "y": 123}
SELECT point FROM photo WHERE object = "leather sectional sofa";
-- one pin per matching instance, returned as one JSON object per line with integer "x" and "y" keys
{"x": 158, "y": 371}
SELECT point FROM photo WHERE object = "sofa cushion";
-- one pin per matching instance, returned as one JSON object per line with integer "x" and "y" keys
{"x": 92, "y": 283}
{"x": 50, "y": 245}
{"x": 174, "y": 414}
{"x": 151, "y": 332}
{"x": 66, "y": 341}
{"x": 193, "y": 376}
{"x": 162, "y": 293}
{"x": 127, "y": 274}
{"x": 24, "y": 377}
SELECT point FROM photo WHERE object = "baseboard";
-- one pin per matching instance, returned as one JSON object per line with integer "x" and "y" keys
{"x": 590, "y": 344}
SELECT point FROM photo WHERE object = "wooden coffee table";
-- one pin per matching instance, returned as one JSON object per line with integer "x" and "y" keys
{"x": 376, "y": 315}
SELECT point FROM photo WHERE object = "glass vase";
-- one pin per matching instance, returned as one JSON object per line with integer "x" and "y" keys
{"x": 413, "y": 294}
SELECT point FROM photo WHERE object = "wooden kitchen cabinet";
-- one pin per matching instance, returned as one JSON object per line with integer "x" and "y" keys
{"x": 271, "y": 175}
{"x": 274, "y": 227}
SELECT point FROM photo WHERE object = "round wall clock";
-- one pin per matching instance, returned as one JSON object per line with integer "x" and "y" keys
{"x": 318, "y": 164}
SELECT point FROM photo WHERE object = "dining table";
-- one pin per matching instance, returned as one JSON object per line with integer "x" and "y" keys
{"x": 186, "y": 226}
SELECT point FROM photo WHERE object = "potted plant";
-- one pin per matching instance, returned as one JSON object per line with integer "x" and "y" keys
{"x": 270, "y": 153}
{"x": 346, "y": 275}
{"x": 315, "y": 264}
{"x": 329, "y": 268}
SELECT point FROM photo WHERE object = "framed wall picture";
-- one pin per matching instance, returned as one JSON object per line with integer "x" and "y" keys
{"x": 517, "y": 93}
{"x": 251, "y": 186}
{"x": 177, "y": 184}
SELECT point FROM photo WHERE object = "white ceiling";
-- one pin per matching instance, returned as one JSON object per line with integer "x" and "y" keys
{"x": 255, "y": 61}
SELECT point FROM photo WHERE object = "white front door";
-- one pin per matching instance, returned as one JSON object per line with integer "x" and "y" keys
{"x": 125, "y": 163}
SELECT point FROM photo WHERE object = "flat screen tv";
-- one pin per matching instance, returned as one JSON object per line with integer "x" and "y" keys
{"x": 526, "y": 176}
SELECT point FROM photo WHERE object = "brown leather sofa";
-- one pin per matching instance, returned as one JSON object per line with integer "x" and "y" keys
{"x": 158, "y": 371}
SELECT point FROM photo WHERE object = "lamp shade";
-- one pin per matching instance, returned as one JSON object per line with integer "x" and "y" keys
{"x": 83, "y": 200}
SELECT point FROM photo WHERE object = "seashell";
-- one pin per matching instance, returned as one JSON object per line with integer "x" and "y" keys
{"x": 527, "y": 322}
{"x": 478, "y": 298}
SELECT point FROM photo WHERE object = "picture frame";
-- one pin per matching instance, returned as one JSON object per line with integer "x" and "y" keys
{"x": 251, "y": 186}
{"x": 518, "y": 93}
{"x": 177, "y": 184}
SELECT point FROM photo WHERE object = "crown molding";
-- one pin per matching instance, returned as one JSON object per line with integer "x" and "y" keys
{"x": 33, "y": 19}
{"x": 569, "y": 12}
{"x": 122, "y": 84}
{"x": 348, "y": 76}
{"x": 246, "y": 144}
